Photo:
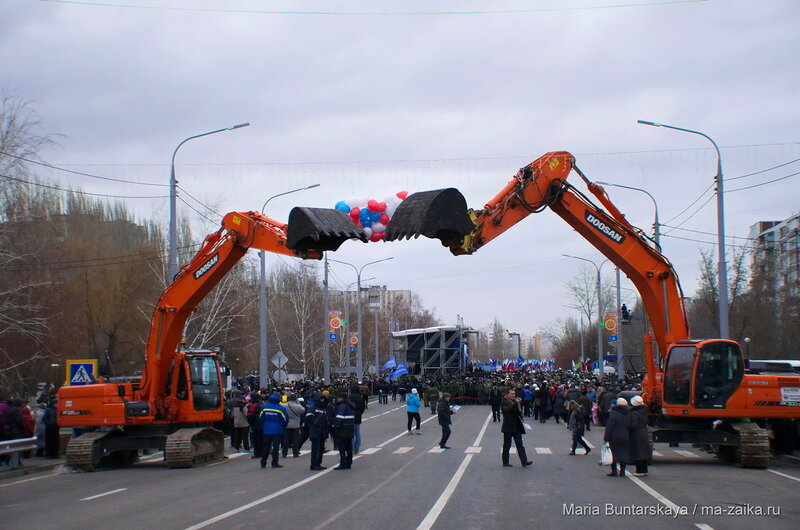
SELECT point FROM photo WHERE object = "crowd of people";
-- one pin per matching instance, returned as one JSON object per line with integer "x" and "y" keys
{"x": 278, "y": 420}
{"x": 22, "y": 418}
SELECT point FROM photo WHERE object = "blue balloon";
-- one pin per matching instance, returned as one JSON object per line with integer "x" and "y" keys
{"x": 375, "y": 217}
{"x": 365, "y": 214}
{"x": 343, "y": 207}
{"x": 366, "y": 222}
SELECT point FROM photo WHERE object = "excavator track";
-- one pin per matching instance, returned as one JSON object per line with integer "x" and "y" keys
{"x": 189, "y": 447}
{"x": 753, "y": 450}
{"x": 85, "y": 451}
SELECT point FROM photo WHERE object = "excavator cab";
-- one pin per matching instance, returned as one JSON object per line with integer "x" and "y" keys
{"x": 437, "y": 214}
{"x": 703, "y": 374}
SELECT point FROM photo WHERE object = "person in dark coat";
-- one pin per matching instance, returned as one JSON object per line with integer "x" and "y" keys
{"x": 639, "y": 439}
{"x": 360, "y": 405}
{"x": 317, "y": 421}
{"x": 15, "y": 429}
{"x": 344, "y": 428}
{"x": 444, "y": 413}
{"x": 51, "y": 440}
{"x": 513, "y": 428}
{"x": 586, "y": 403}
{"x": 559, "y": 410}
{"x": 577, "y": 426}
{"x": 495, "y": 398}
{"x": 617, "y": 435}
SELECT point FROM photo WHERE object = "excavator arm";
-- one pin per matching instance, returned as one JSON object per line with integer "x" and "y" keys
{"x": 309, "y": 232}
{"x": 537, "y": 186}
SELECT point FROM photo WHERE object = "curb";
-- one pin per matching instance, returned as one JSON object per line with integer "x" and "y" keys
{"x": 30, "y": 469}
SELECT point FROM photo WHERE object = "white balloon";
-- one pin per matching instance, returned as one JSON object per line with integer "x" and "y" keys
{"x": 378, "y": 227}
{"x": 368, "y": 230}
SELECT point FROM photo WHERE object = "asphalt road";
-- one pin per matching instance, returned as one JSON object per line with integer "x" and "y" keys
{"x": 406, "y": 482}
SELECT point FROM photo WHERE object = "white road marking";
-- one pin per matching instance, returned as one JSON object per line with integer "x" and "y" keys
{"x": 688, "y": 454}
{"x": 473, "y": 450}
{"x": 543, "y": 451}
{"x": 430, "y": 519}
{"x": 703, "y": 526}
{"x": 237, "y": 455}
{"x": 152, "y": 458}
{"x": 587, "y": 442}
{"x": 784, "y": 475}
{"x": 369, "y": 451}
{"x": 404, "y": 433}
{"x": 28, "y": 480}
{"x": 331, "y": 453}
{"x": 382, "y": 413}
{"x": 402, "y": 450}
{"x": 477, "y": 441}
{"x": 93, "y": 497}
{"x": 656, "y": 453}
{"x": 436, "y": 450}
{"x": 245, "y": 507}
{"x": 656, "y": 495}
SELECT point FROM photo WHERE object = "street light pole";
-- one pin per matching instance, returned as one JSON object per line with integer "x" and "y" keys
{"x": 656, "y": 224}
{"x": 599, "y": 302}
{"x": 722, "y": 266}
{"x": 173, "y": 195}
{"x": 359, "y": 350}
{"x": 263, "y": 351}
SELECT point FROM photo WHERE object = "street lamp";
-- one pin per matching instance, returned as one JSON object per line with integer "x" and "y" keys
{"x": 359, "y": 359}
{"x": 173, "y": 195}
{"x": 656, "y": 224}
{"x": 263, "y": 352}
{"x": 722, "y": 266}
{"x": 599, "y": 301}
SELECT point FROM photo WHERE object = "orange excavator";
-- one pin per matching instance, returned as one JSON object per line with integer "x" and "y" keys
{"x": 700, "y": 392}
{"x": 179, "y": 394}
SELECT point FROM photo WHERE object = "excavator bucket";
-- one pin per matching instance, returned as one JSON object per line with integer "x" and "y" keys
{"x": 320, "y": 229}
{"x": 437, "y": 214}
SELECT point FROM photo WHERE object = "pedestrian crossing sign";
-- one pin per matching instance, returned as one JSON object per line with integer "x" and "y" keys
{"x": 81, "y": 372}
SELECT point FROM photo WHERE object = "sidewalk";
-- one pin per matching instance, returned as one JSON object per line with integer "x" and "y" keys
{"x": 35, "y": 464}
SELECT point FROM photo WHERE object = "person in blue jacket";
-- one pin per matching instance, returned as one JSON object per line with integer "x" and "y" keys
{"x": 273, "y": 421}
{"x": 413, "y": 405}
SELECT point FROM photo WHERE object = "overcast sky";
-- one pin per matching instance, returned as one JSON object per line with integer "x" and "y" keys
{"x": 371, "y": 98}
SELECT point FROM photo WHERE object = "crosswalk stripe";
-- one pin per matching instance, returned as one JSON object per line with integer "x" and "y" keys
{"x": 657, "y": 453}
{"x": 436, "y": 450}
{"x": 332, "y": 453}
{"x": 402, "y": 450}
{"x": 237, "y": 455}
{"x": 370, "y": 451}
{"x": 544, "y": 451}
{"x": 473, "y": 450}
{"x": 686, "y": 453}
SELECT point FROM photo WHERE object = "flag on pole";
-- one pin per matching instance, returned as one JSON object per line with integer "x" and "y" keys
{"x": 390, "y": 364}
{"x": 401, "y": 369}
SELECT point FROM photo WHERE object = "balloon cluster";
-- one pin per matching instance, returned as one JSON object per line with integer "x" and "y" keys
{"x": 372, "y": 215}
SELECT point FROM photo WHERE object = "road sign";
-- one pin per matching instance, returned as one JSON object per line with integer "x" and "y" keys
{"x": 81, "y": 372}
{"x": 612, "y": 338}
{"x": 333, "y": 336}
{"x": 352, "y": 348}
{"x": 334, "y": 321}
{"x": 610, "y": 322}
{"x": 353, "y": 338}
{"x": 279, "y": 359}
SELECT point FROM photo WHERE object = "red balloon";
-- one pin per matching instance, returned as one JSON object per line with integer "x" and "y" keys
{"x": 381, "y": 207}
{"x": 402, "y": 195}
{"x": 384, "y": 219}
{"x": 355, "y": 213}
{"x": 377, "y": 236}
{"x": 372, "y": 206}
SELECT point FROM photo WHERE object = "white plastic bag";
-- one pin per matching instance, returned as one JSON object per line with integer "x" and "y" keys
{"x": 605, "y": 455}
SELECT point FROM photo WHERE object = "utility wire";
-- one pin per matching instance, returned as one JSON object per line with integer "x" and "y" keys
{"x": 198, "y": 201}
{"x": 198, "y": 212}
{"x": 38, "y": 184}
{"x": 707, "y": 233}
{"x": 80, "y": 173}
{"x": 763, "y": 183}
{"x": 374, "y": 13}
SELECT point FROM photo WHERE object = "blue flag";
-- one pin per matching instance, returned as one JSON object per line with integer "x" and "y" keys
{"x": 401, "y": 369}
{"x": 390, "y": 364}
{"x": 520, "y": 360}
